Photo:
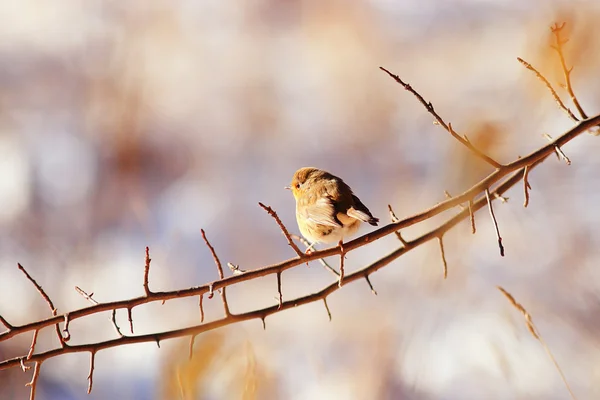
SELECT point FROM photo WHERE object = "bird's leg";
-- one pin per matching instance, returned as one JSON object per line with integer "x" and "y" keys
{"x": 342, "y": 256}
{"x": 310, "y": 248}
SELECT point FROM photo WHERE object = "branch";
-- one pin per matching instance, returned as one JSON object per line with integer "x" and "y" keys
{"x": 285, "y": 232}
{"x": 556, "y": 31}
{"x": 517, "y": 166}
{"x": 147, "y": 272}
{"x": 53, "y": 310}
{"x": 443, "y": 253}
{"x": 535, "y": 333}
{"x": 219, "y": 269}
{"x": 289, "y": 304}
{"x": 550, "y": 88}
{"x": 448, "y": 127}
{"x": 489, "y": 202}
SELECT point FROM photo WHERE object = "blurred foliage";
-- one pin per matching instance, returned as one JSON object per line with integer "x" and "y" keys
{"x": 126, "y": 124}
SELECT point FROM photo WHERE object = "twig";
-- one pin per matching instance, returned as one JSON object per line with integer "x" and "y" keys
{"x": 114, "y": 323}
{"x": 147, "y": 272}
{"x": 327, "y": 307}
{"x": 556, "y": 31}
{"x": 89, "y": 298}
{"x": 34, "y": 378}
{"x": 22, "y": 364}
{"x": 489, "y": 202}
{"x": 91, "y": 374}
{"x": 559, "y": 153}
{"x": 201, "y": 308}
{"x": 273, "y": 214}
{"x": 47, "y": 299}
{"x": 526, "y": 186}
{"x": 130, "y": 319}
{"x": 370, "y": 285}
{"x": 396, "y": 220}
{"x": 443, "y": 253}
{"x": 66, "y": 334}
{"x": 472, "y": 217}
{"x": 535, "y": 333}
{"x": 86, "y": 296}
{"x": 5, "y": 323}
{"x": 448, "y": 127}
{"x": 279, "y": 289}
{"x": 220, "y": 271}
{"x": 449, "y": 196}
{"x": 342, "y": 271}
{"x": 549, "y": 86}
{"x": 33, "y": 343}
{"x": 235, "y": 269}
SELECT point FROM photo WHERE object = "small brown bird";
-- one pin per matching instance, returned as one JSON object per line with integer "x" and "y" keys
{"x": 326, "y": 209}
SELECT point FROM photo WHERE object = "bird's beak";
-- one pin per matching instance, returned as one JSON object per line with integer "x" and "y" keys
{"x": 288, "y": 188}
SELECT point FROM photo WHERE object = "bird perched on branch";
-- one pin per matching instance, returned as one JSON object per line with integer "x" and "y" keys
{"x": 326, "y": 209}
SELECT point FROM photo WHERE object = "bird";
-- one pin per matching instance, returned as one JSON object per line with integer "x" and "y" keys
{"x": 327, "y": 210}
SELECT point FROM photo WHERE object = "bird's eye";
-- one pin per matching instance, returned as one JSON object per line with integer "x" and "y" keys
{"x": 297, "y": 185}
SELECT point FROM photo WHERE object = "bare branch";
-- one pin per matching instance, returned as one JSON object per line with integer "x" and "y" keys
{"x": 556, "y": 31}
{"x": 370, "y": 284}
{"x": 513, "y": 172}
{"x": 327, "y": 307}
{"x": 33, "y": 343}
{"x": 91, "y": 374}
{"x": 549, "y": 86}
{"x": 34, "y": 378}
{"x": 114, "y": 323}
{"x": 219, "y": 269}
{"x": 342, "y": 256}
{"x": 279, "y": 289}
{"x": 47, "y": 299}
{"x": 66, "y": 334}
{"x": 448, "y": 127}
{"x": 396, "y": 220}
{"x": 130, "y": 319}
{"x": 559, "y": 153}
{"x": 443, "y": 253}
{"x": 535, "y": 333}
{"x": 449, "y": 196}
{"x": 472, "y": 217}
{"x": 284, "y": 230}
{"x": 147, "y": 272}
{"x": 526, "y": 186}
{"x": 5, "y": 323}
{"x": 86, "y": 296}
{"x": 489, "y": 202}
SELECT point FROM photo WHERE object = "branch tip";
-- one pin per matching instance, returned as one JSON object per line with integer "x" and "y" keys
{"x": 327, "y": 308}
{"x": 147, "y": 272}
{"x": 491, "y": 209}
{"x": 284, "y": 230}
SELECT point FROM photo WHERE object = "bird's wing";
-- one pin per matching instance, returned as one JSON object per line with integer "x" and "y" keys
{"x": 321, "y": 212}
{"x": 361, "y": 212}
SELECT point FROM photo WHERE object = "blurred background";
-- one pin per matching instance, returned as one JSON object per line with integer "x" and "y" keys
{"x": 133, "y": 124}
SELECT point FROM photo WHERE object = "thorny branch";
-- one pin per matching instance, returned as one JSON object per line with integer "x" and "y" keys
{"x": 502, "y": 178}
{"x": 265, "y": 312}
{"x": 53, "y": 310}
{"x": 514, "y": 171}
{"x": 447, "y": 126}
